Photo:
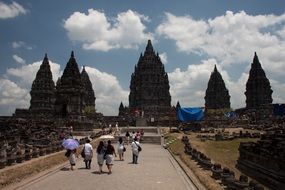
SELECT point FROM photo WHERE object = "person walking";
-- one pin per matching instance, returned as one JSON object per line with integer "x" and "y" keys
{"x": 117, "y": 132}
{"x": 101, "y": 149}
{"x": 138, "y": 136}
{"x": 121, "y": 149}
{"x": 72, "y": 158}
{"x": 135, "y": 149}
{"x": 88, "y": 150}
{"x": 110, "y": 152}
{"x": 133, "y": 135}
{"x": 128, "y": 137}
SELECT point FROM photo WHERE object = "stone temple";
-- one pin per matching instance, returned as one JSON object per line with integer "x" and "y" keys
{"x": 217, "y": 95}
{"x": 258, "y": 90}
{"x": 149, "y": 86}
{"x": 68, "y": 99}
{"x": 43, "y": 91}
{"x": 73, "y": 91}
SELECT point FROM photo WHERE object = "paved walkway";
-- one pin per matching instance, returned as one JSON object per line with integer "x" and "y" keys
{"x": 156, "y": 170}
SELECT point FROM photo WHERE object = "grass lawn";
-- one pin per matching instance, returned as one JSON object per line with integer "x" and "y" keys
{"x": 223, "y": 152}
{"x": 177, "y": 148}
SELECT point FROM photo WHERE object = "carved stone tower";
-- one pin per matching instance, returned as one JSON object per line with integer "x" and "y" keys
{"x": 43, "y": 91}
{"x": 88, "y": 93}
{"x": 177, "y": 105}
{"x": 217, "y": 95}
{"x": 149, "y": 87}
{"x": 123, "y": 110}
{"x": 258, "y": 90}
{"x": 69, "y": 90}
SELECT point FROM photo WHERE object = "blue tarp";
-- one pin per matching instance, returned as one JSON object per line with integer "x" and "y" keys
{"x": 279, "y": 109}
{"x": 190, "y": 114}
{"x": 231, "y": 114}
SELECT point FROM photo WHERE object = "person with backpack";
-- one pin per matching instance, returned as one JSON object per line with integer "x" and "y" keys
{"x": 136, "y": 148}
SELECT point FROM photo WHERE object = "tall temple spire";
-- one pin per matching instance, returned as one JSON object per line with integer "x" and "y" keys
{"x": 149, "y": 87}
{"x": 217, "y": 95}
{"x": 256, "y": 62}
{"x": 43, "y": 91}
{"x": 71, "y": 71}
{"x": 215, "y": 69}
{"x": 122, "y": 109}
{"x": 89, "y": 95}
{"x": 258, "y": 89}
{"x": 149, "y": 48}
{"x": 72, "y": 54}
{"x": 70, "y": 89}
{"x": 178, "y": 105}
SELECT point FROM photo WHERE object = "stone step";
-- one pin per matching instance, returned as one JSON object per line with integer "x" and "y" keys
{"x": 154, "y": 139}
{"x": 141, "y": 121}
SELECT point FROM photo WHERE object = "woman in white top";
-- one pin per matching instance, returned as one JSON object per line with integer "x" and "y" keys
{"x": 121, "y": 149}
{"x": 88, "y": 150}
{"x": 135, "y": 149}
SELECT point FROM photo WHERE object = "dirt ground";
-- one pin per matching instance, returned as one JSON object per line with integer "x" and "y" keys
{"x": 223, "y": 152}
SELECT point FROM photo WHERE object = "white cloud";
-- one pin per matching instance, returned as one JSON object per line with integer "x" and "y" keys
{"x": 108, "y": 91}
{"x": 19, "y": 59}
{"x": 187, "y": 32}
{"x": 97, "y": 32}
{"x": 231, "y": 38}
{"x": 11, "y": 11}
{"x": 278, "y": 91}
{"x": 25, "y": 75}
{"x": 282, "y": 32}
{"x": 163, "y": 57}
{"x": 12, "y": 96}
{"x": 188, "y": 87}
{"x": 20, "y": 44}
{"x": 15, "y": 88}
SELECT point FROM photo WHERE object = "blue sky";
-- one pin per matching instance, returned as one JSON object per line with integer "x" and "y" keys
{"x": 108, "y": 37}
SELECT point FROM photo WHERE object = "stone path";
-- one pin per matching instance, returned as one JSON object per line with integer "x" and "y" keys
{"x": 156, "y": 170}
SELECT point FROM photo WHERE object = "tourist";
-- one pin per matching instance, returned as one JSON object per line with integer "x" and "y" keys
{"x": 61, "y": 136}
{"x": 88, "y": 150}
{"x": 101, "y": 149}
{"x": 121, "y": 148}
{"x": 117, "y": 132}
{"x": 135, "y": 149}
{"x": 133, "y": 135}
{"x": 110, "y": 129}
{"x": 138, "y": 136}
{"x": 142, "y": 133}
{"x": 109, "y": 156}
{"x": 70, "y": 130}
{"x": 128, "y": 137}
{"x": 71, "y": 157}
{"x": 104, "y": 130}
